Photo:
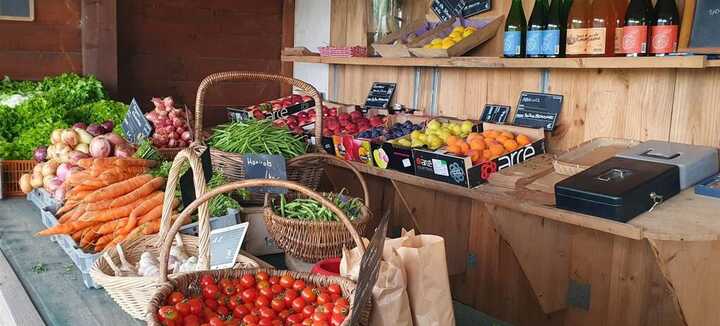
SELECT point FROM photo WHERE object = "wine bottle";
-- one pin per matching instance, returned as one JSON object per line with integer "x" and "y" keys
{"x": 535, "y": 27}
{"x": 554, "y": 34}
{"x": 664, "y": 30}
{"x": 635, "y": 31}
{"x": 619, "y": 7}
{"x": 515, "y": 29}
{"x": 566, "y": 4}
{"x": 577, "y": 29}
{"x": 601, "y": 34}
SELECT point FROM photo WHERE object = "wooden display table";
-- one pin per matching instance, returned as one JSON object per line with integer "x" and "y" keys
{"x": 512, "y": 254}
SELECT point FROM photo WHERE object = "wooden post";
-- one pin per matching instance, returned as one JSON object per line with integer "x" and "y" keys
{"x": 288, "y": 41}
{"x": 99, "y": 42}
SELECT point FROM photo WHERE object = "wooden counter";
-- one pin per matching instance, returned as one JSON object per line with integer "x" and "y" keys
{"x": 512, "y": 254}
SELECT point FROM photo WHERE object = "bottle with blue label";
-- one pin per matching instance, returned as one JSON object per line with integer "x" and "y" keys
{"x": 535, "y": 29}
{"x": 515, "y": 31}
{"x": 554, "y": 33}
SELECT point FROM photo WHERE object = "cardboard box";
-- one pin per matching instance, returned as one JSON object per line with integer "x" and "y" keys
{"x": 486, "y": 29}
{"x": 442, "y": 166}
{"x": 257, "y": 240}
{"x": 240, "y": 114}
{"x": 393, "y": 46}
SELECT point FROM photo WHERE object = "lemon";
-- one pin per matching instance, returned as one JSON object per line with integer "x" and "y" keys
{"x": 415, "y": 134}
{"x": 423, "y": 138}
{"x": 417, "y": 143}
{"x": 466, "y": 126}
{"x": 436, "y": 41}
{"x": 404, "y": 142}
{"x": 457, "y": 38}
{"x": 468, "y": 32}
{"x": 455, "y": 34}
{"x": 458, "y": 29}
{"x": 443, "y": 135}
{"x": 427, "y": 46}
{"x": 434, "y": 125}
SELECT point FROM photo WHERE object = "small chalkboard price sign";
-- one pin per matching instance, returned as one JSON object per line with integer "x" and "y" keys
{"x": 538, "y": 110}
{"x": 447, "y": 9}
{"x": 495, "y": 113}
{"x": 135, "y": 125}
{"x": 474, "y": 7}
{"x": 265, "y": 166}
{"x": 380, "y": 95}
{"x": 187, "y": 184}
{"x": 369, "y": 269}
{"x": 700, "y": 25}
{"x": 225, "y": 245}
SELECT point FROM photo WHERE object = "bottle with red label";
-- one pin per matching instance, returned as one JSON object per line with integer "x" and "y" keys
{"x": 665, "y": 29}
{"x": 636, "y": 28}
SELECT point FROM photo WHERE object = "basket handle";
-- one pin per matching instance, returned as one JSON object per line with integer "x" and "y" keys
{"x": 243, "y": 75}
{"x": 190, "y": 155}
{"x": 202, "y": 200}
{"x": 363, "y": 182}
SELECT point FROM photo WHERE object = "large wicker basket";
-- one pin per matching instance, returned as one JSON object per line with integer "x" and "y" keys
{"x": 188, "y": 283}
{"x": 312, "y": 241}
{"x": 232, "y": 164}
{"x": 133, "y": 293}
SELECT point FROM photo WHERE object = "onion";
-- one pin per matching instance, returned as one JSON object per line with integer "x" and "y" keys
{"x": 38, "y": 168}
{"x": 70, "y": 137}
{"x": 62, "y": 171}
{"x": 100, "y": 147}
{"x": 80, "y": 125}
{"x": 53, "y": 185}
{"x": 115, "y": 139}
{"x": 85, "y": 148}
{"x": 76, "y": 155}
{"x": 59, "y": 194}
{"x": 46, "y": 181}
{"x": 36, "y": 181}
{"x": 85, "y": 137}
{"x": 152, "y": 116}
{"x": 49, "y": 168}
{"x": 25, "y": 185}
{"x": 108, "y": 125}
{"x": 41, "y": 154}
{"x": 95, "y": 130}
{"x": 124, "y": 150}
{"x": 55, "y": 136}
{"x": 177, "y": 123}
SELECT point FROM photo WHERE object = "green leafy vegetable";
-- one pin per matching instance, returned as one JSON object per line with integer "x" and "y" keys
{"x": 257, "y": 136}
{"x": 147, "y": 151}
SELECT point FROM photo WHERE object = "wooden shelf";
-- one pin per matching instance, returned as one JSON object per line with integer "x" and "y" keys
{"x": 689, "y": 62}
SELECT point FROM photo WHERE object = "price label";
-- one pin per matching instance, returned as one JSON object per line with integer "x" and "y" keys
{"x": 380, "y": 95}
{"x": 225, "y": 245}
{"x": 447, "y": 9}
{"x": 495, "y": 113}
{"x": 265, "y": 166}
{"x": 474, "y": 7}
{"x": 135, "y": 125}
{"x": 538, "y": 110}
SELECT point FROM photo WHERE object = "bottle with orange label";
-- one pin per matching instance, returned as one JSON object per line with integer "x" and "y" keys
{"x": 665, "y": 29}
{"x": 619, "y": 7}
{"x": 577, "y": 29}
{"x": 636, "y": 29}
{"x": 601, "y": 34}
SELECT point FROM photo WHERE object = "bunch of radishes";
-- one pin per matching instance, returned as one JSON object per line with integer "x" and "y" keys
{"x": 171, "y": 124}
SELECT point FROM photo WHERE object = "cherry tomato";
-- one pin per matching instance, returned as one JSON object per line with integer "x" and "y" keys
{"x": 262, "y": 301}
{"x": 283, "y": 314}
{"x": 225, "y": 282}
{"x": 334, "y": 297}
{"x": 247, "y": 280}
{"x": 196, "y": 306}
{"x": 286, "y": 281}
{"x": 307, "y": 322}
{"x": 191, "y": 320}
{"x": 223, "y": 311}
{"x": 320, "y": 316}
{"x": 298, "y": 285}
{"x": 215, "y": 321}
{"x": 298, "y": 304}
{"x": 211, "y": 292}
{"x": 235, "y": 300}
{"x": 212, "y": 304}
{"x": 262, "y": 276}
{"x": 168, "y": 313}
{"x": 232, "y": 322}
{"x": 320, "y": 323}
{"x": 208, "y": 313}
{"x": 294, "y": 319}
{"x": 229, "y": 289}
{"x": 266, "y": 312}
{"x": 175, "y": 297}
{"x": 267, "y": 292}
{"x": 289, "y": 296}
{"x": 308, "y": 294}
{"x": 342, "y": 302}
{"x": 341, "y": 310}
{"x": 250, "y": 319}
{"x": 324, "y": 298}
{"x": 277, "y": 289}
{"x": 263, "y": 284}
{"x": 308, "y": 311}
{"x": 240, "y": 311}
{"x": 249, "y": 295}
{"x": 183, "y": 307}
{"x": 169, "y": 323}
{"x": 274, "y": 280}
{"x": 337, "y": 319}
{"x": 206, "y": 280}
{"x": 265, "y": 322}
{"x": 334, "y": 288}
{"x": 223, "y": 300}
{"x": 277, "y": 304}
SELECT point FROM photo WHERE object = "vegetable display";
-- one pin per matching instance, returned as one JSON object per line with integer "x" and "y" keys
{"x": 310, "y": 209}
{"x": 170, "y": 124}
{"x": 258, "y": 299}
{"x": 257, "y": 136}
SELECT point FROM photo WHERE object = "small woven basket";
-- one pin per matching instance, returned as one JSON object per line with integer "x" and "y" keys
{"x": 132, "y": 293}
{"x": 312, "y": 241}
{"x": 189, "y": 282}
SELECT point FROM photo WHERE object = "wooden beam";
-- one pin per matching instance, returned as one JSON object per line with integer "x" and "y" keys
{"x": 288, "y": 41}
{"x": 99, "y": 42}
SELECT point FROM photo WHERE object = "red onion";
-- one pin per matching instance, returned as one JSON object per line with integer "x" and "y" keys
{"x": 100, "y": 147}
{"x": 115, "y": 139}
{"x": 124, "y": 150}
{"x": 62, "y": 171}
{"x": 168, "y": 101}
{"x": 152, "y": 116}
{"x": 80, "y": 125}
{"x": 76, "y": 156}
{"x": 178, "y": 123}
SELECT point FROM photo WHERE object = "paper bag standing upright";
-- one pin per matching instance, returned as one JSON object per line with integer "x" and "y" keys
{"x": 423, "y": 257}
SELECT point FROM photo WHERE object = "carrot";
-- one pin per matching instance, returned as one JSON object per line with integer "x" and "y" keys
{"x": 90, "y": 236}
{"x": 130, "y": 197}
{"x": 118, "y": 189}
{"x": 79, "y": 195}
{"x": 79, "y": 211}
{"x": 77, "y": 236}
{"x": 77, "y": 178}
{"x": 110, "y": 214}
{"x": 134, "y": 162}
{"x": 57, "y": 229}
{"x": 110, "y": 227}
{"x": 151, "y": 227}
{"x": 69, "y": 205}
{"x": 103, "y": 240}
{"x": 86, "y": 163}
{"x": 146, "y": 206}
{"x": 154, "y": 214}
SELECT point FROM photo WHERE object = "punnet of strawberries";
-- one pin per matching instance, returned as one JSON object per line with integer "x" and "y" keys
{"x": 258, "y": 299}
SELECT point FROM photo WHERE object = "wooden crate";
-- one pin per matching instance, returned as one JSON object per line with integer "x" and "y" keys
{"x": 486, "y": 29}
{"x": 389, "y": 47}
{"x": 11, "y": 172}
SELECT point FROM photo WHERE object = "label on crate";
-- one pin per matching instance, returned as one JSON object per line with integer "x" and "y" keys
{"x": 225, "y": 245}
{"x": 187, "y": 182}
{"x": 135, "y": 125}
{"x": 512, "y": 43}
{"x": 380, "y": 95}
{"x": 551, "y": 42}
{"x": 538, "y": 110}
{"x": 635, "y": 39}
{"x": 265, "y": 166}
{"x": 664, "y": 39}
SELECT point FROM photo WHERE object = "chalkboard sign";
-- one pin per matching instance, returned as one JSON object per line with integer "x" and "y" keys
{"x": 23, "y": 10}
{"x": 380, "y": 95}
{"x": 447, "y": 9}
{"x": 369, "y": 268}
{"x": 187, "y": 184}
{"x": 265, "y": 166}
{"x": 538, "y": 110}
{"x": 700, "y": 25}
{"x": 495, "y": 113}
{"x": 225, "y": 245}
{"x": 135, "y": 125}
{"x": 474, "y": 7}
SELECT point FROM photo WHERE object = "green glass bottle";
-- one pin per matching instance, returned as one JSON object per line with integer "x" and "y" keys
{"x": 554, "y": 34}
{"x": 535, "y": 28}
{"x": 566, "y": 4}
{"x": 515, "y": 31}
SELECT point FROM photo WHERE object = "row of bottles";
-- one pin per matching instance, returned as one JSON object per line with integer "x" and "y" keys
{"x": 580, "y": 28}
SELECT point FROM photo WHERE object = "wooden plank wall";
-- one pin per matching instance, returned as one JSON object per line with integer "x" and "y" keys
{"x": 49, "y": 45}
{"x": 167, "y": 47}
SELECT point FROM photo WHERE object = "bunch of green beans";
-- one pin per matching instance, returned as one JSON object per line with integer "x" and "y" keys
{"x": 311, "y": 210}
{"x": 257, "y": 136}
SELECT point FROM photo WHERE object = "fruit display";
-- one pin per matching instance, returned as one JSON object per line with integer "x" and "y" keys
{"x": 458, "y": 34}
{"x": 170, "y": 124}
{"x": 296, "y": 121}
{"x": 397, "y": 130}
{"x": 349, "y": 123}
{"x": 264, "y": 110}
{"x": 259, "y": 299}
{"x": 436, "y": 134}
{"x": 485, "y": 146}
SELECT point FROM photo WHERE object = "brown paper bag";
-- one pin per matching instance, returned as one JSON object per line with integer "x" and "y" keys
{"x": 390, "y": 300}
{"x": 423, "y": 258}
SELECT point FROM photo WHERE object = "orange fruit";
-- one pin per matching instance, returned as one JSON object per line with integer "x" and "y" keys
{"x": 510, "y": 145}
{"x": 497, "y": 149}
{"x": 454, "y": 148}
{"x": 487, "y": 154}
{"x": 464, "y": 147}
{"x": 477, "y": 144}
{"x": 523, "y": 140}
{"x": 474, "y": 135}
{"x": 507, "y": 134}
{"x": 490, "y": 133}
{"x": 501, "y": 138}
{"x": 452, "y": 140}
{"x": 475, "y": 155}
{"x": 490, "y": 141}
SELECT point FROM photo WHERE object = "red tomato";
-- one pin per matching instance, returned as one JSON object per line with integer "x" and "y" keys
{"x": 249, "y": 295}
{"x": 265, "y": 322}
{"x": 307, "y": 322}
{"x": 308, "y": 294}
{"x": 232, "y": 322}
{"x": 320, "y": 323}
{"x": 294, "y": 319}
{"x": 320, "y": 316}
{"x": 250, "y": 319}
{"x": 266, "y": 312}
{"x": 263, "y": 284}
{"x": 191, "y": 320}
{"x": 308, "y": 311}
{"x": 277, "y": 322}
{"x": 283, "y": 315}
{"x": 215, "y": 321}
{"x": 267, "y": 292}
{"x": 206, "y": 280}
{"x": 289, "y": 296}
{"x": 229, "y": 289}
{"x": 298, "y": 285}
{"x": 211, "y": 292}
{"x": 183, "y": 307}
{"x": 223, "y": 300}
{"x": 262, "y": 301}
{"x": 324, "y": 298}
{"x": 276, "y": 288}
{"x": 235, "y": 300}
{"x": 262, "y": 276}
{"x": 298, "y": 304}
{"x": 225, "y": 282}
{"x": 240, "y": 311}
{"x": 212, "y": 304}
{"x": 247, "y": 280}
{"x": 286, "y": 281}
{"x": 196, "y": 306}
{"x": 334, "y": 297}
{"x": 222, "y": 311}
{"x": 168, "y": 313}
{"x": 342, "y": 302}
{"x": 274, "y": 280}
{"x": 208, "y": 313}
{"x": 277, "y": 304}
{"x": 169, "y": 323}
{"x": 334, "y": 288}
{"x": 337, "y": 319}
{"x": 340, "y": 310}
{"x": 175, "y": 297}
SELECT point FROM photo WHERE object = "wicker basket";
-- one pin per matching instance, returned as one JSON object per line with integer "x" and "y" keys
{"x": 133, "y": 293}
{"x": 312, "y": 241}
{"x": 11, "y": 172}
{"x": 188, "y": 282}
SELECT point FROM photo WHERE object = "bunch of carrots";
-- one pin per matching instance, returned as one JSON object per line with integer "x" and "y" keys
{"x": 112, "y": 200}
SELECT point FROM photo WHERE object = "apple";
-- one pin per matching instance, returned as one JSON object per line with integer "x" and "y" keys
{"x": 356, "y": 115}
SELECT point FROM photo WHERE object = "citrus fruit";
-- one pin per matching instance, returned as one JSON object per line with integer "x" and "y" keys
{"x": 510, "y": 145}
{"x": 447, "y": 43}
{"x": 475, "y": 155}
{"x": 457, "y": 38}
{"x": 474, "y": 135}
{"x": 477, "y": 144}
{"x": 523, "y": 140}
{"x": 468, "y": 31}
{"x": 487, "y": 154}
{"x": 507, "y": 134}
{"x": 490, "y": 133}
{"x": 464, "y": 147}
{"x": 454, "y": 148}
{"x": 458, "y": 29}
{"x": 452, "y": 140}
{"x": 436, "y": 41}
{"x": 497, "y": 149}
